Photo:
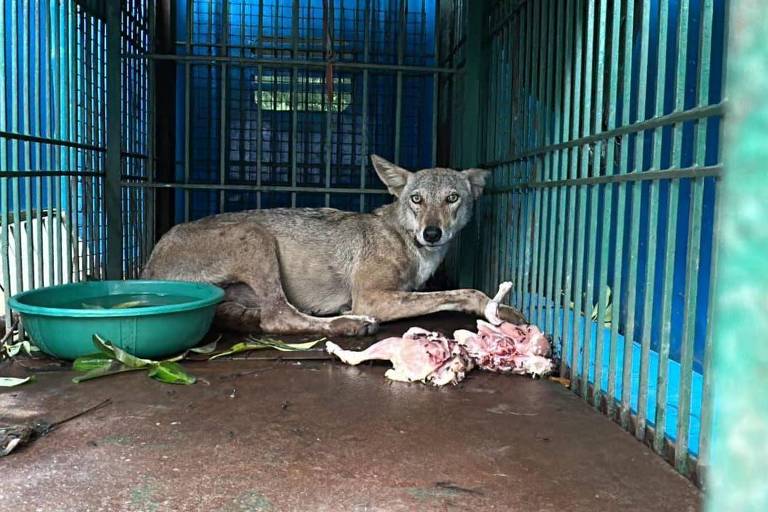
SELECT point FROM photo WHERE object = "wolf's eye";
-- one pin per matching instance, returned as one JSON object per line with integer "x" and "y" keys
{"x": 453, "y": 197}
{"x": 416, "y": 198}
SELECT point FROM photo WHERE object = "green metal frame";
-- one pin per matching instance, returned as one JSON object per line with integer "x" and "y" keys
{"x": 738, "y": 457}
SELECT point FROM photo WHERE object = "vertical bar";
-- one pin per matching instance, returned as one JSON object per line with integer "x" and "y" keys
{"x": 401, "y": 34}
{"x": 94, "y": 67}
{"x": 520, "y": 167}
{"x": 187, "y": 107}
{"x": 677, "y": 156}
{"x": 294, "y": 96}
{"x": 562, "y": 171}
{"x": 554, "y": 169}
{"x": 15, "y": 58}
{"x": 634, "y": 230}
{"x": 621, "y": 207}
{"x": 62, "y": 117}
{"x": 112, "y": 200}
{"x": 652, "y": 231}
{"x": 364, "y": 133}
{"x": 709, "y": 348}
{"x": 4, "y": 252}
{"x": 149, "y": 139}
{"x": 579, "y": 296}
{"x": 25, "y": 73}
{"x": 694, "y": 248}
{"x": 607, "y": 208}
{"x": 435, "y": 93}
{"x": 224, "y": 135}
{"x": 707, "y": 366}
{"x": 574, "y": 158}
{"x": 41, "y": 57}
{"x": 548, "y": 195}
{"x": 536, "y": 135}
{"x": 594, "y": 197}
{"x": 260, "y": 139}
{"x": 329, "y": 105}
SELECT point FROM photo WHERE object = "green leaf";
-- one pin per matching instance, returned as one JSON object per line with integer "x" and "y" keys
{"x": 91, "y": 362}
{"x": 120, "y": 354}
{"x": 287, "y": 347}
{"x": 9, "y": 382}
{"x": 266, "y": 343}
{"x": 112, "y": 369}
{"x": 205, "y": 349}
{"x": 171, "y": 373}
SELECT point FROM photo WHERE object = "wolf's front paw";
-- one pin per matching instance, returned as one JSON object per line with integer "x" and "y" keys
{"x": 353, "y": 326}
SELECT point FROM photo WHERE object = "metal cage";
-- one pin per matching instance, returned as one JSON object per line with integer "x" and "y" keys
{"x": 599, "y": 119}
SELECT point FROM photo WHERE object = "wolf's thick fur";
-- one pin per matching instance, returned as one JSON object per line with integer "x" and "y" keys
{"x": 285, "y": 270}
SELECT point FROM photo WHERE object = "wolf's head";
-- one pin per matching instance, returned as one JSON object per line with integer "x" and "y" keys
{"x": 432, "y": 204}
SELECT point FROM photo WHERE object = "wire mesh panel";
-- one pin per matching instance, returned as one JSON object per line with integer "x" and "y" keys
{"x": 137, "y": 124}
{"x": 281, "y": 102}
{"x": 52, "y": 138}
{"x": 601, "y": 125}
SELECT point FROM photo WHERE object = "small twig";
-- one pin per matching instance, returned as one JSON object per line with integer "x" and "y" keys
{"x": 82, "y": 413}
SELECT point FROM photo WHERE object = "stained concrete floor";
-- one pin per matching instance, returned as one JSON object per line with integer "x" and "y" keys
{"x": 264, "y": 435}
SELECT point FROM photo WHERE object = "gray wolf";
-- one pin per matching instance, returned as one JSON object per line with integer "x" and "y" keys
{"x": 327, "y": 271}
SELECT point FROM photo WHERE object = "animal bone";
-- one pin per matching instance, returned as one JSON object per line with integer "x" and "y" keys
{"x": 492, "y": 308}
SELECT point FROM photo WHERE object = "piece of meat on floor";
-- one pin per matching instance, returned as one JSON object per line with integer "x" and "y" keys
{"x": 507, "y": 348}
{"x": 419, "y": 355}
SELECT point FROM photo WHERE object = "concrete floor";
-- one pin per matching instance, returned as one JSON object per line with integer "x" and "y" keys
{"x": 315, "y": 435}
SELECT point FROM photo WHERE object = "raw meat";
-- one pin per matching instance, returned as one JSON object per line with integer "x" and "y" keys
{"x": 420, "y": 355}
{"x": 507, "y": 348}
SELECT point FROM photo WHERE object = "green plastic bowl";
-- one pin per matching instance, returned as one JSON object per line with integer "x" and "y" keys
{"x": 149, "y": 319}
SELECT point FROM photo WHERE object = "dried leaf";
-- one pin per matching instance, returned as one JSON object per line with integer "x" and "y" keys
{"x": 266, "y": 343}
{"x": 205, "y": 349}
{"x": 13, "y": 350}
{"x": 129, "y": 304}
{"x": 171, "y": 373}
{"x": 9, "y": 382}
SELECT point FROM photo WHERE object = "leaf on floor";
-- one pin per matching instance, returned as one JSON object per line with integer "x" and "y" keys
{"x": 9, "y": 382}
{"x": 267, "y": 343}
{"x": 111, "y": 360}
{"x": 171, "y": 373}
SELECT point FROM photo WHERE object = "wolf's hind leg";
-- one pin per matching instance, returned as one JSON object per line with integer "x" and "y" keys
{"x": 276, "y": 314}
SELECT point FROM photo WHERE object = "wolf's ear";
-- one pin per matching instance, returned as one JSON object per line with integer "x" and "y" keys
{"x": 394, "y": 177}
{"x": 477, "y": 179}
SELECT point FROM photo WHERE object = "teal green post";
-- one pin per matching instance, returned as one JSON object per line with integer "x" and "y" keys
{"x": 112, "y": 188}
{"x": 738, "y": 478}
{"x": 470, "y": 133}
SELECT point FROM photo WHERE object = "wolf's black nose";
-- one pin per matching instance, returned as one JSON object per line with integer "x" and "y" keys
{"x": 432, "y": 234}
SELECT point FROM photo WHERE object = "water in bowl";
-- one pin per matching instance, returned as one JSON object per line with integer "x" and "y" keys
{"x": 128, "y": 301}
